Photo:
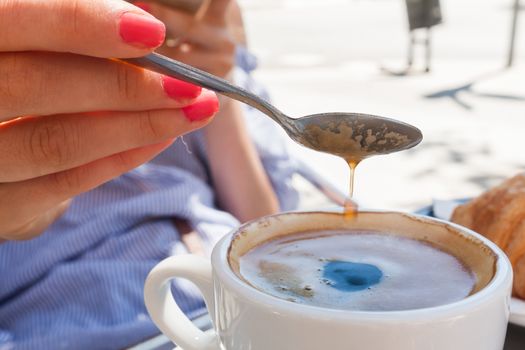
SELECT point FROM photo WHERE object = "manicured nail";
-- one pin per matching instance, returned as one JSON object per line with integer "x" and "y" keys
{"x": 143, "y": 6}
{"x": 141, "y": 30}
{"x": 178, "y": 89}
{"x": 206, "y": 105}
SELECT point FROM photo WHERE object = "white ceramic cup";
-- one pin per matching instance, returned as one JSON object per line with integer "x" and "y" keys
{"x": 246, "y": 318}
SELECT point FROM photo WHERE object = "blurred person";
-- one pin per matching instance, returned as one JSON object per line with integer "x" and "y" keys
{"x": 79, "y": 284}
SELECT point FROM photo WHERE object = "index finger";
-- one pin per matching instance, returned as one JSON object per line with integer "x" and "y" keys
{"x": 101, "y": 28}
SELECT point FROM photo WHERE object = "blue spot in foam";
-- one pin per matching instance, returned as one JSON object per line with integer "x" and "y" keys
{"x": 348, "y": 276}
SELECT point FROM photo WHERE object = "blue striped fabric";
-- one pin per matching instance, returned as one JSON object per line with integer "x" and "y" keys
{"x": 79, "y": 285}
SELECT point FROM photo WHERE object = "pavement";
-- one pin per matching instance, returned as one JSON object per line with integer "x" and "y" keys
{"x": 327, "y": 55}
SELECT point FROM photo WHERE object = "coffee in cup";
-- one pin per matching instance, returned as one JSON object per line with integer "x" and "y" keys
{"x": 357, "y": 270}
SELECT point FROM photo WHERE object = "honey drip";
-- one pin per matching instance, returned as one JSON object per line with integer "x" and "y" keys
{"x": 350, "y": 207}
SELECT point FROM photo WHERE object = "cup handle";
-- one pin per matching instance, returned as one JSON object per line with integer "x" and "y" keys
{"x": 165, "y": 312}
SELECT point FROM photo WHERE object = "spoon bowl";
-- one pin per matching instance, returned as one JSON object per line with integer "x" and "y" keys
{"x": 352, "y": 136}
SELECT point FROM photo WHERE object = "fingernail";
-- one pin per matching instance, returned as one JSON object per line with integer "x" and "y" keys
{"x": 143, "y": 6}
{"x": 206, "y": 105}
{"x": 178, "y": 89}
{"x": 141, "y": 30}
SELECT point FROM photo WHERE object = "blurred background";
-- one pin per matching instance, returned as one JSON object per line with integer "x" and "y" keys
{"x": 348, "y": 55}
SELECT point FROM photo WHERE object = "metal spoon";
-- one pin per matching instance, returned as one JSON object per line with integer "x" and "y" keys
{"x": 353, "y": 136}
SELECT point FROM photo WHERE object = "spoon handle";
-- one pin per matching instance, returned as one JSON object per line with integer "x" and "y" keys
{"x": 167, "y": 66}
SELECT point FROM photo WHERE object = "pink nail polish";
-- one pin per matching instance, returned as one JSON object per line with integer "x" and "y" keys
{"x": 178, "y": 89}
{"x": 206, "y": 105}
{"x": 141, "y": 30}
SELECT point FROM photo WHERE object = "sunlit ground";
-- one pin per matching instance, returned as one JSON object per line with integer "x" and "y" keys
{"x": 326, "y": 55}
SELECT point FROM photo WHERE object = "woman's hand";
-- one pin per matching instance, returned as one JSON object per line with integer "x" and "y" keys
{"x": 71, "y": 119}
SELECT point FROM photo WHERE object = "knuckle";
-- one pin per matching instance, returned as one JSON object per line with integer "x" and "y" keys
{"x": 66, "y": 181}
{"x": 52, "y": 142}
{"x": 74, "y": 10}
{"x": 121, "y": 163}
{"x": 126, "y": 82}
{"x": 24, "y": 81}
{"x": 14, "y": 83}
{"x": 75, "y": 15}
{"x": 152, "y": 126}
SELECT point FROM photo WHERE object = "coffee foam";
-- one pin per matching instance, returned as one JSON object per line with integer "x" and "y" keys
{"x": 356, "y": 270}
{"x": 471, "y": 251}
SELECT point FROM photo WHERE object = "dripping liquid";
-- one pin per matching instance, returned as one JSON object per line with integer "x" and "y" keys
{"x": 350, "y": 207}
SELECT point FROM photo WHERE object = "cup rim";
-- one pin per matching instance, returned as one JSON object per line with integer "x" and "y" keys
{"x": 221, "y": 267}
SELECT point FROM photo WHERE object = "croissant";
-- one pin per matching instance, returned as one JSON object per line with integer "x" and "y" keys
{"x": 499, "y": 215}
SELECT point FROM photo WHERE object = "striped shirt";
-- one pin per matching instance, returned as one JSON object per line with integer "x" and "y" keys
{"x": 79, "y": 285}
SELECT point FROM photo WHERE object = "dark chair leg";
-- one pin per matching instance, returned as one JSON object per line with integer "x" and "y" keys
{"x": 411, "y": 45}
{"x": 428, "y": 49}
